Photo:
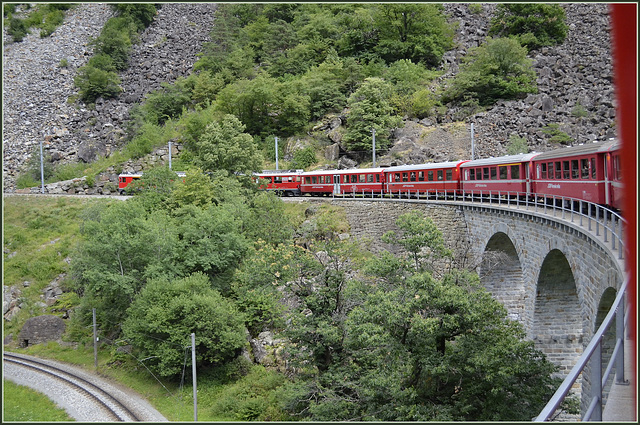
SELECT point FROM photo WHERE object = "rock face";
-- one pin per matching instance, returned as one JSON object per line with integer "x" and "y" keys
{"x": 575, "y": 89}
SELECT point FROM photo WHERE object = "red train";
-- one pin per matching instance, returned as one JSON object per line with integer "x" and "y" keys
{"x": 589, "y": 172}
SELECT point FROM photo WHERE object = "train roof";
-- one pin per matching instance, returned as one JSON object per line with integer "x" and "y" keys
{"x": 583, "y": 149}
{"x": 270, "y": 172}
{"x": 347, "y": 171}
{"x": 426, "y": 166}
{"x": 507, "y": 159}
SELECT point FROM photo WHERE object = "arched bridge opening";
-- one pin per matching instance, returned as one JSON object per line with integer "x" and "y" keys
{"x": 557, "y": 318}
{"x": 500, "y": 273}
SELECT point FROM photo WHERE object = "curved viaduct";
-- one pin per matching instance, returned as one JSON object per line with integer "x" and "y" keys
{"x": 553, "y": 274}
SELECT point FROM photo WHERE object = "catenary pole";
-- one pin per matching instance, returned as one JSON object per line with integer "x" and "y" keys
{"x": 95, "y": 341}
{"x": 193, "y": 368}
{"x": 276, "y": 152}
{"x": 41, "y": 168}
{"x": 169, "y": 154}
{"x": 373, "y": 131}
{"x": 473, "y": 153}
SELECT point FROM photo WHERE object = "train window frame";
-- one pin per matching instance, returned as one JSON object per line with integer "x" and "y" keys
{"x": 362, "y": 178}
{"x": 307, "y": 180}
{"x": 471, "y": 174}
{"x": 515, "y": 171}
{"x": 405, "y": 177}
{"x": 584, "y": 168}
{"x": 558, "y": 170}
{"x": 412, "y": 176}
{"x": 485, "y": 173}
{"x": 420, "y": 176}
{"x": 369, "y": 178}
{"x": 397, "y": 177}
{"x": 550, "y": 170}
{"x": 566, "y": 170}
{"x": 377, "y": 178}
{"x": 593, "y": 168}
{"x": 448, "y": 175}
{"x": 430, "y": 175}
{"x": 543, "y": 170}
{"x": 502, "y": 172}
{"x": 575, "y": 169}
{"x": 354, "y": 178}
{"x": 440, "y": 176}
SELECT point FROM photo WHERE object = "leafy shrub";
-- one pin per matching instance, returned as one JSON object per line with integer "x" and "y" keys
{"x": 555, "y": 134}
{"x": 517, "y": 145}
{"x": 17, "y": 29}
{"x": 579, "y": 111}
{"x": 93, "y": 83}
{"x": 498, "y": 69}
{"x": 304, "y": 158}
{"x": 533, "y": 24}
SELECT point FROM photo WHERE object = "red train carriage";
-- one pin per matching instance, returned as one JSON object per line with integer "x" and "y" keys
{"x": 510, "y": 173}
{"x": 125, "y": 179}
{"x": 423, "y": 178}
{"x": 338, "y": 182}
{"x": 590, "y": 172}
{"x": 283, "y": 182}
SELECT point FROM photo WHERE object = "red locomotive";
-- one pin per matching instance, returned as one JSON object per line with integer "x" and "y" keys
{"x": 284, "y": 183}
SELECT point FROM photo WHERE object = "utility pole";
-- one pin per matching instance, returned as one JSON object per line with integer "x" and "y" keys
{"x": 373, "y": 130}
{"x": 276, "y": 152}
{"x": 169, "y": 154}
{"x": 41, "y": 168}
{"x": 95, "y": 341}
{"x": 473, "y": 154}
{"x": 193, "y": 368}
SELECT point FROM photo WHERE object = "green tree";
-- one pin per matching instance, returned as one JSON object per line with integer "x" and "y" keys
{"x": 93, "y": 83}
{"x": 161, "y": 320}
{"x": 154, "y": 187}
{"x": 122, "y": 247}
{"x": 369, "y": 108}
{"x": 533, "y": 24}
{"x": 416, "y": 32}
{"x": 195, "y": 188}
{"x": 498, "y": 69}
{"x": 225, "y": 146}
{"x": 420, "y": 238}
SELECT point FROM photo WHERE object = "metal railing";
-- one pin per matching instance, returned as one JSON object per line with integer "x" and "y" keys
{"x": 593, "y": 217}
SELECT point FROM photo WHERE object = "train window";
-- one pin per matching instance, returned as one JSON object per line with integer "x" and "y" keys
{"x": 307, "y": 180}
{"x": 440, "y": 177}
{"x": 565, "y": 170}
{"x": 277, "y": 179}
{"x": 617, "y": 173}
{"x": 494, "y": 173}
{"x": 421, "y": 176}
{"x": 543, "y": 171}
{"x": 314, "y": 179}
{"x": 593, "y": 168}
{"x": 397, "y": 177}
{"x": 377, "y": 178}
{"x": 472, "y": 174}
{"x": 584, "y": 167}
{"x": 515, "y": 171}
{"x": 449, "y": 175}
{"x": 478, "y": 173}
{"x": 485, "y": 173}
{"x": 575, "y": 171}
{"x": 354, "y": 178}
{"x": 558, "y": 171}
{"x": 503, "y": 172}
{"x": 363, "y": 178}
{"x": 413, "y": 176}
{"x": 550, "y": 168}
{"x": 430, "y": 175}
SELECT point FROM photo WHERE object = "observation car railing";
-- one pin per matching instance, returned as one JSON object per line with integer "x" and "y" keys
{"x": 594, "y": 217}
{"x": 589, "y": 215}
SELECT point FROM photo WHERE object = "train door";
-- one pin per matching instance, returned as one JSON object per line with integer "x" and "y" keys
{"x": 527, "y": 176}
{"x": 607, "y": 181}
{"x": 336, "y": 184}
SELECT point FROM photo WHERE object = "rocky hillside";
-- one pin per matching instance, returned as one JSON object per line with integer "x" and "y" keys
{"x": 37, "y": 88}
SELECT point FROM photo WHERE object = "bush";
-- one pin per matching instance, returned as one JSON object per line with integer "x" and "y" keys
{"x": 534, "y": 25}
{"x": 93, "y": 83}
{"x": 304, "y": 158}
{"x": 517, "y": 145}
{"x": 556, "y": 135}
{"x": 498, "y": 69}
{"x": 17, "y": 29}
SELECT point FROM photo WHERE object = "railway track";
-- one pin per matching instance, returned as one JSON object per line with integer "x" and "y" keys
{"x": 71, "y": 389}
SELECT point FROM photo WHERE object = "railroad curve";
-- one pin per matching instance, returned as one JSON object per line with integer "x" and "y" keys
{"x": 84, "y": 396}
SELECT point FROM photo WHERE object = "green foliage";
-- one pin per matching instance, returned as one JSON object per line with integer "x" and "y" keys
{"x": 225, "y": 146}
{"x": 167, "y": 102}
{"x": 498, "y": 69}
{"x": 418, "y": 234}
{"x": 93, "y": 83}
{"x": 533, "y": 24}
{"x": 304, "y": 158}
{"x": 22, "y": 404}
{"x": 141, "y": 13}
{"x": 154, "y": 188}
{"x": 579, "y": 111}
{"x": 517, "y": 145}
{"x": 160, "y": 322}
{"x": 31, "y": 175}
{"x": 369, "y": 108}
{"x": 47, "y": 17}
{"x": 555, "y": 134}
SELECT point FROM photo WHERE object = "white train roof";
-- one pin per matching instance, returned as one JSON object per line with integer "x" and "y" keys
{"x": 348, "y": 171}
{"x": 500, "y": 160}
{"x": 583, "y": 149}
{"x": 426, "y": 166}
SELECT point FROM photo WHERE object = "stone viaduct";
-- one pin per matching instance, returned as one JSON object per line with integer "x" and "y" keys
{"x": 554, "y": 275}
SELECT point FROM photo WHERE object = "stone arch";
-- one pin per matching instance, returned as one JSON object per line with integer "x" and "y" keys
{"x": 501, "y": 273}
{"x": 557, "y": 320}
